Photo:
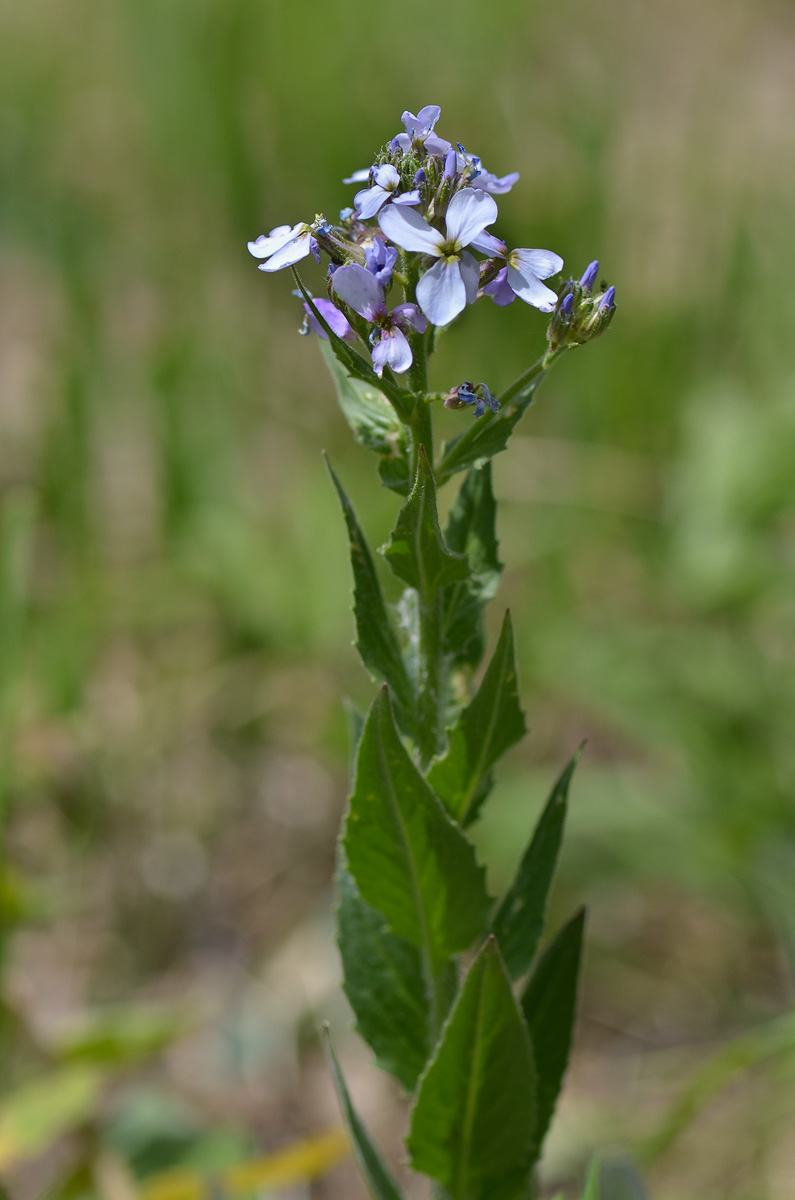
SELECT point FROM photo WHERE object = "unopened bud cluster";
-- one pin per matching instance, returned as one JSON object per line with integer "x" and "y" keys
{"x": 581, "y": 314}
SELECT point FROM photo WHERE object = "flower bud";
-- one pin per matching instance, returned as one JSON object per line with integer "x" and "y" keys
{"x": 580, "y": 315}
{"x": 589, "y": 275}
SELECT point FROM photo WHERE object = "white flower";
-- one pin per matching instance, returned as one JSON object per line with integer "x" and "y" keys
{"x": 284, "y": 246}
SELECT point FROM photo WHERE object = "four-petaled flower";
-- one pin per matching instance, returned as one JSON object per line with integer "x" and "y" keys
{"x": 452, "y": 282}
{"x": 284, "y": 246}
{"x": 522, "y": 274}
{"x": 419, "y": 131}
{"x": 385, "y": 186}
{"x": 362, "y": 291}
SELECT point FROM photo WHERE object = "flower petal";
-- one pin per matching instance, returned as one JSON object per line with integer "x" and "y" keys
{"x": 541, "y": 263}
{"x": 470, "y": 273}
{"x": 368, "y": 202}
{"x": 407, "y": 198}
{"x": 386, "y": 177}
{"x": 487, "y": 243}
{"x": 496, "y": 186}
{"x": 436, "y": 145}
{"x": 393, "y": 349}
{"x": 337, "y": 320}
{"x": 500, "y": 290}
{"x": 407, "y": 228}
{"x": 428, "y": 116}
{"x": 409, "y": 315}
{"x": 441, "y": 292}
{"x": 359, "y": 176}
{"x": 277, "y": 237}
{"x": 424, "y": 121}
{"x": 468, "y": 213}
{"x": 532, "y": 290}
{"x": 357, "y": 287}
{"x": 290, "y": 252}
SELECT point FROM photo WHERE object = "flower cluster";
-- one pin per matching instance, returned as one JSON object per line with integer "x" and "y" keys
{"x": 420, "y": 222}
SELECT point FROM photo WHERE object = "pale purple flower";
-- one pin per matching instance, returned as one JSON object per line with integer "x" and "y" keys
{"x": 337, "y": 321}
{"x": 419, "y": 129}
{"x": 284, "y": 246}
{"x": 380, "y": 260}
{"x": 524, "y": 271}
{"x": 362, "y": 291}
{"x": 385, "y": 186}
{"x": 359, "y": 176}
{"x": 452, "y": 282}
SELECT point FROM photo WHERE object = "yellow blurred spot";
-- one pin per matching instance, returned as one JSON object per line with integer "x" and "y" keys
{"x": 303, "y": 1161}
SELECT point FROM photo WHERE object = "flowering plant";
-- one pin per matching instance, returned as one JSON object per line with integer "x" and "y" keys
{"x": 446, "y": 984}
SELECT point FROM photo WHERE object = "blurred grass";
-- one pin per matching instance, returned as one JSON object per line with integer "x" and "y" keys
{"x": 171, "y": 672}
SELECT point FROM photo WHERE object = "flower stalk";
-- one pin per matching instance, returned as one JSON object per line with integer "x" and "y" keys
{"x": 481, "y": 1049}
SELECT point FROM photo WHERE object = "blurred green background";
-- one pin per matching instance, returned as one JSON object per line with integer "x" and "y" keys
{"x": 174, "y": 614}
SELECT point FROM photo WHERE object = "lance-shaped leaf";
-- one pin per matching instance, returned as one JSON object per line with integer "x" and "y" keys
{"x": 371, "y": 417}
{"x": 519, "y": 920}
{"x": 471, "y": 530}
{"x": 376, "y": 639}
{"x": 416, "y": 551}
{"x": 473, "y": 1123}
{"x": 487, "y": 435}
{"x": 487, "y": 727}
{"x": 549, "y": 1005}
{"x": 378, "y": 1179}
{"x": 384, "y": 983}
{"x": 409, "y": 860}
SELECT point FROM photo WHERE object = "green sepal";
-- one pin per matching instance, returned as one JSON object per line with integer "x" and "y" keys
{"x": 409, "y": 860}
{"x": 378, "y": 1179}
{"x": 372, "y": 419}
{"x": 416, "y": 551}
{"x": 519, "y": 920}
{"x": 549, "y": 1004}
{"x": 490, "y": 724}
{"x": 384, "y": 983}
{"x": 376, "y": 638}
{"x": 473, "y": 1122}
{"x": 471, "y": 530}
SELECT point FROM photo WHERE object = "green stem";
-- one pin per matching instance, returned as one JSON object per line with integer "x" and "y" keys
{"x": 429, "y": 695}
{"x": 519, "y": 385}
